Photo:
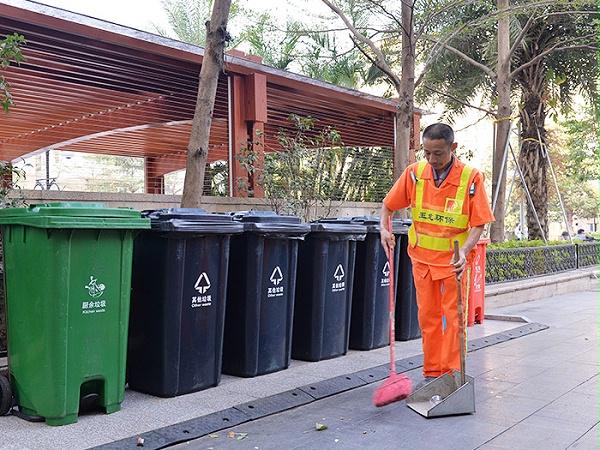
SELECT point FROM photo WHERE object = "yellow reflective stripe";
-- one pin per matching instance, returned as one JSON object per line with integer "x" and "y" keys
{"x": 443, "y": 219}
{"x": 435, "y": 243}
{"x": 440, "y": 218}
{"x": 419, "y": 185}
{"x": 412, "y": 235}
{"x": 464, "y": 180}
{"x": 421, "y": 168}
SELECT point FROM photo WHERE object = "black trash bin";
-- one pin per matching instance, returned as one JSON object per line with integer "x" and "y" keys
{"x": 369, "y": 325}
{"x": 324, "y": 283}
{"x": 407, "y": 319}
{"x": 179, "y": 282}
{"x": 260, "y": 293}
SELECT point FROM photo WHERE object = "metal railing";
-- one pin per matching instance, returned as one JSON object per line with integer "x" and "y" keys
{"x": 518, "y": 263}
{"x": 588, "y": 253}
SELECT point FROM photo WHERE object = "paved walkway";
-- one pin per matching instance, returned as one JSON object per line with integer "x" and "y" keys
{"x": 536, "y": 386}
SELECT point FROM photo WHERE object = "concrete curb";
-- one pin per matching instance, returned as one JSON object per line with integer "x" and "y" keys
{"x": 529, "y": 289}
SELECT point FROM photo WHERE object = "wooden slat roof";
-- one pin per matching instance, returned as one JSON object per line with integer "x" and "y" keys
{"x": 96, "y": 87}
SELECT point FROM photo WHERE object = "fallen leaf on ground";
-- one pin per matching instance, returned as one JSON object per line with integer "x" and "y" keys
{"x": 237, "y": 436}
{"x": 320, "y": 426}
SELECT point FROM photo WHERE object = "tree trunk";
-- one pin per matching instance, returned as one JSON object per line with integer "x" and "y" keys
{"x": 404, "y": 113}
{"x": 212, "y": 64}
{"x": 503, "y": 123}
{"x": 406, "y": 94}
{"x": 534, "y": 164}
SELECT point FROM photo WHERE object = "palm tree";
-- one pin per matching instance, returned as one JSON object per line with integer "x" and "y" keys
{"x": 187, "y": 19}
{"x": 553, "y": 58}
{"x": 547, "y": 78}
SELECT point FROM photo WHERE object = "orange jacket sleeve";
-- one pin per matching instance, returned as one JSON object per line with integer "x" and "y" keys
{"x": 480, "y": 212}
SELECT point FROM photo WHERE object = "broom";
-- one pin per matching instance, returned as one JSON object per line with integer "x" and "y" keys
{"x": 398, "y": 386}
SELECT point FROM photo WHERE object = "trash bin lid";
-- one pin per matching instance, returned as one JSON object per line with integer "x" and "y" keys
{"x": 338, "y": 230}
{"x": 401, "y": 226}
{"x": 73, "y": 215}
{"x": 192, "y": 220}
{"x": 337, "y": 220}
{"x": 271, "y": 224}
{"x": 371, "y": 222}
{"x": 180, "y": 213}
{"x": 264, "y": 217}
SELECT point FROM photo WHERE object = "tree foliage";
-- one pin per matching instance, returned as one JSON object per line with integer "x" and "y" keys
{"x": 553, "y": 59}
{"x": 188, "y": 18}
{"x": 301, "y": 177}
{"x": 314, "y": 169}
{"x": 277, "y": 47}
{"x": 581, "y": 148}
{"x": 117, "y": 174}
{"x": 10, "y": 51}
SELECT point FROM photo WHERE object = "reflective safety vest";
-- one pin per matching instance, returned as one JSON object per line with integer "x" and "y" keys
{"x": 437, "y": 230}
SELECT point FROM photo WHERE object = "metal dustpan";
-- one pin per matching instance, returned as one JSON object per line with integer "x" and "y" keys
{"x": 444, "y": 396}
{"x": 454, "y": 392}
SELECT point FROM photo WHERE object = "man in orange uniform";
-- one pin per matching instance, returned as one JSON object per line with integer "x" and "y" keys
{"x": 448, "y": 202}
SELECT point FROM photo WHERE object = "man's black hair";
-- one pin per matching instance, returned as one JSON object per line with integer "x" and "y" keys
{"x": 439, "y": 131}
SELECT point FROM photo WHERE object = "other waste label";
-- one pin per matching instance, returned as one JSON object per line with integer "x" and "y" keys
{"x": 202, "y": 285}
{"x": 276, "y": 290}
{"x": 339, "y": 285}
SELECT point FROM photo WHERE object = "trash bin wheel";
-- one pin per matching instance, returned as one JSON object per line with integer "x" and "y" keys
{"x": 5, "y": 395}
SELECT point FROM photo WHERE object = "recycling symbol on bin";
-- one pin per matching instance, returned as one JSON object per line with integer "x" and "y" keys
{"x": 202, "y": 283}
{"x": 386, "y": 269}
{"x": 276, "y": 276}
{"x": 339, "y": 273}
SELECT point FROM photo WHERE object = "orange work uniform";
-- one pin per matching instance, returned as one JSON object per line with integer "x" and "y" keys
{"x": 440, "y": 216}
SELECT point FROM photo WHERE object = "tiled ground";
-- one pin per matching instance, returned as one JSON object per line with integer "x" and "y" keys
{"x": 544, "y": 384}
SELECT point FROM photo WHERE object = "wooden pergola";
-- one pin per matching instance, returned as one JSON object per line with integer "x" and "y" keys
{"x": 96, "y": 87}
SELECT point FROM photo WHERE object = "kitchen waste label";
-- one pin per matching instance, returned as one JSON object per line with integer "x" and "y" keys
{"x": 95, "y": 304}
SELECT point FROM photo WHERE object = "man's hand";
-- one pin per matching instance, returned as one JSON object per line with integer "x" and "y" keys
{"x": 459, "y": 264}
{"x": 388, "y": 240}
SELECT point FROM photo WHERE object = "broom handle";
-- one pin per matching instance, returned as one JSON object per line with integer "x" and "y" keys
{"x": 392, "y": 329}
{"x": 461, "y": 319}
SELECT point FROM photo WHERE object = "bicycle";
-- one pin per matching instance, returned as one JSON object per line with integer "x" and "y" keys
{"x": 46, "y": 184}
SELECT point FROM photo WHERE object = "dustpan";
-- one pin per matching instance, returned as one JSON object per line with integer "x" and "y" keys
{"x": 454, "y": 392}
{"x": 444, "y": 396}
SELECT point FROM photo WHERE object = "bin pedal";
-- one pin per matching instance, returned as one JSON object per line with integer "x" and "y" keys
{"x": 88, "y": 402}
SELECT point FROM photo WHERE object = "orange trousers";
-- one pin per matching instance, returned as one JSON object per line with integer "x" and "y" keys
{"x": 436, "y": 299}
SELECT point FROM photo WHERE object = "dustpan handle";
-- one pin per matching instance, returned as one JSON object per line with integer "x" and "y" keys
{"x": 461, "y": 320}
{"x": 390, "y": 255}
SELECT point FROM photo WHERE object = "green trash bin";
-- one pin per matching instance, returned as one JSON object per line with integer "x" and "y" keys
{"x": 67, "y": 270}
